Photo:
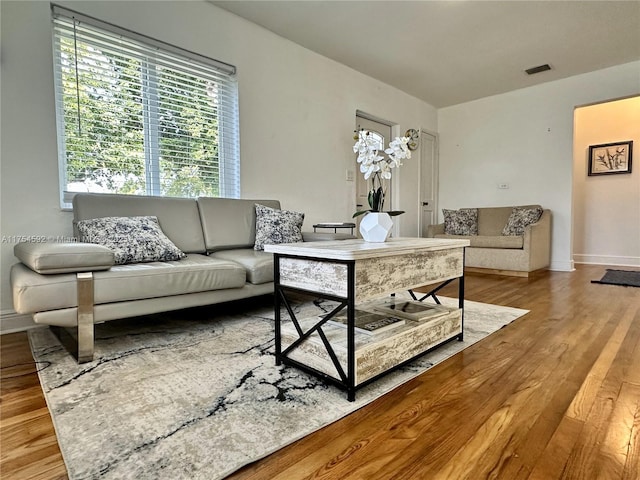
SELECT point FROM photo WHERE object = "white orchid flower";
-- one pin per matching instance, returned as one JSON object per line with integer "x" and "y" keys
{"x": 398, "y": 148}
{"x": 369, "y": 158}
{"x": 369, "y": 170}
{"x": 404, "y": 146}
{"x": 394, "y": 162}
{"x": 361, "y": 149}
{"x": 385, "y": 171}
{"x": 378, "y": 164}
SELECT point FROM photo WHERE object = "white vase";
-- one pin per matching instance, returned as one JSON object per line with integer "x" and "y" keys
{"x": 376, "y": 227}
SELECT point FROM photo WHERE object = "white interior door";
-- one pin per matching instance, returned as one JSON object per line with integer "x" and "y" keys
{"x": 362, "y": 185}
{"x": 428, "y": 181}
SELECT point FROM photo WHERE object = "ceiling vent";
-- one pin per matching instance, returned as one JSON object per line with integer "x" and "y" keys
{"x": 538, "y": 69}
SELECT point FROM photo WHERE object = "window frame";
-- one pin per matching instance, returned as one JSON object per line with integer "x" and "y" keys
{"x": 228, "y": 159}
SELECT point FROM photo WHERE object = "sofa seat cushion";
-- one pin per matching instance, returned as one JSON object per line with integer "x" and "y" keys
{"x": 488, "y": 241}
{"x": 258, "y": 264}
{"x": 196, "y": 273}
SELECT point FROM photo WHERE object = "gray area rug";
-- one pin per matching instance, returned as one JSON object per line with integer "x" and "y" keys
{"x": 626, "y": 278}
{"x": 196, "y": 394}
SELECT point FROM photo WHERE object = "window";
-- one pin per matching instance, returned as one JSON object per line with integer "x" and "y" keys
{"x": 137, "y": 116}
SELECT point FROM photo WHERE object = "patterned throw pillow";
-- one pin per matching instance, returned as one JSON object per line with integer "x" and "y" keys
{"x": 520, "y": 218}
{"x": 277, "y": 226}
{"x": 133, "y": 239}
{"x": 461, "y": 222}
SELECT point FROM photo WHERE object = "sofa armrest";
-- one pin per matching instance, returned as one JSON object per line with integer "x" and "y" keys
{"x": 317, "y": 236}
{"x": 433, "y": 230}
{"x": 537, "y": 241}
{"x": 51, "y": 258}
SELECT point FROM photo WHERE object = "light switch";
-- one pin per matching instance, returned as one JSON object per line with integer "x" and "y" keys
{"x": 350, "y": 175}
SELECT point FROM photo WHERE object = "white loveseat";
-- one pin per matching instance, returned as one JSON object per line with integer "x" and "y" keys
{"x": 492, "y": 252}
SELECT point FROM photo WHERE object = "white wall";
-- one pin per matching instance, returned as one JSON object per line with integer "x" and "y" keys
{"x": 523, "y": 138}
{"x": 606, "y": 223}
{"x": 297, "y": 115}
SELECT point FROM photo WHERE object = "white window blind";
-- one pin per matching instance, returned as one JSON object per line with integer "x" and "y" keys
{"x": 137, "y": 116}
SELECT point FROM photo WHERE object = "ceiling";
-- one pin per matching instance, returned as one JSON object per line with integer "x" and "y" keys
{"x": 450, "y": 52}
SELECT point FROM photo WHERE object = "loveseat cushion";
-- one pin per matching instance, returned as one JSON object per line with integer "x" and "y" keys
{"x": 132, "y": 239}
{"x": 258, "y": 264}
{"x": 196, "y": 273}
{"x": 488, "y": 241}
{"x": 521, "y": 218}
{"x": 52, "y": 258}
{"x": 461, "y": 222}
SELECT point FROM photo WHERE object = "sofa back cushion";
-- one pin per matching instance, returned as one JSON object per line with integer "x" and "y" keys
{"x": 179, "y": 218}
{"x": 230, "y": 223}
{"x": 491, "y": 220}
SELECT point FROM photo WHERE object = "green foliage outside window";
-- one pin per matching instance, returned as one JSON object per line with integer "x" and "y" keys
{"x": 108, "y": 110}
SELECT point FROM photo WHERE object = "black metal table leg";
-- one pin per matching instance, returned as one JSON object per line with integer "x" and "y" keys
{"x": 461, "y": 304}
{"x": 351, "y": 332}
{"x": 277, "y": 306}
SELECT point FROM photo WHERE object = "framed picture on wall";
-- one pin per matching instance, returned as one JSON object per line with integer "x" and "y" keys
{"x": 610, "y": 158}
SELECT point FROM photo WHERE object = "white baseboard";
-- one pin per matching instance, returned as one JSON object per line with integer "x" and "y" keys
{"x": 11, "y": 322}
{"x": 562, "y": 266}
{"x": 607, "y": 260}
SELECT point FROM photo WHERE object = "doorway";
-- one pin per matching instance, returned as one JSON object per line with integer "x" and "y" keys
{"x": 606, "y": 208}
{"x": 382, "y": 133}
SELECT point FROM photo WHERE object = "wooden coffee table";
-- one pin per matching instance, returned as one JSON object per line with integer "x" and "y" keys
{"x": 352, "y": 273}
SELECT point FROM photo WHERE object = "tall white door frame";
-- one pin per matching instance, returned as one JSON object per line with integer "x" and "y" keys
{"x": 362, "y": 186}
{"x": 428, "y": 186}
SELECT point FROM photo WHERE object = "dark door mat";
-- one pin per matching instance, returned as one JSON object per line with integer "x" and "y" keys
{"x": 625, "y": 278}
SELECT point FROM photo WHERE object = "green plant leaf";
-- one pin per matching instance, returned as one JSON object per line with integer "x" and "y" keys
{"x": 378, "y": 199}
{"x": 391, "y": 213}
{"x": 370, "y": 198}
{"x": 360, "y": 212}
{"x": 395, "y": 213}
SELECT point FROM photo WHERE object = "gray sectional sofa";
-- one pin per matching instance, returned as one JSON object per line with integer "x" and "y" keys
{"x": 492, "y": 252}
{"x": 77, "y": 284}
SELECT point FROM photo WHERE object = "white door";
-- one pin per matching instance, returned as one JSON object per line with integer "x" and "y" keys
{"x": 383, "y": 132}
{"x": 428, "y": 181}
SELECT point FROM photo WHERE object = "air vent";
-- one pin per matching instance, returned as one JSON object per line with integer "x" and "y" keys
{"x": 538, "y": 69}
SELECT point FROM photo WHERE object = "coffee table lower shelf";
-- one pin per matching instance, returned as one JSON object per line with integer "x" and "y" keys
{"x": 375, "y": 354}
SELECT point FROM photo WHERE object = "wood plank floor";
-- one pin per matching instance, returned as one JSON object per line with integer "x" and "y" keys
{"x": 554, "y": 395}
